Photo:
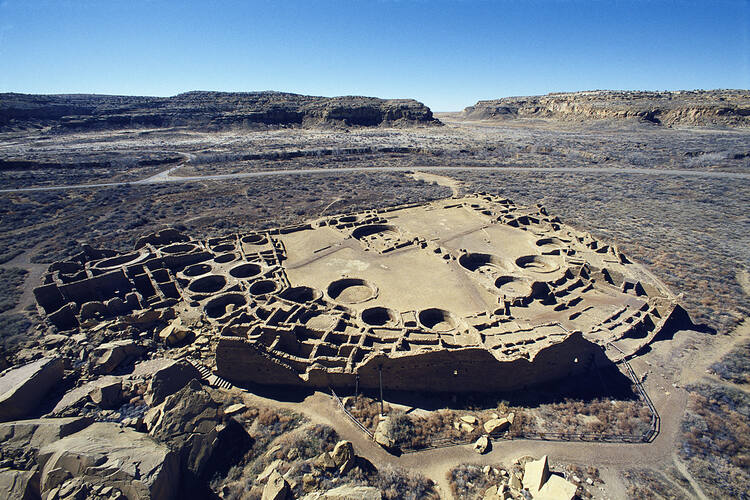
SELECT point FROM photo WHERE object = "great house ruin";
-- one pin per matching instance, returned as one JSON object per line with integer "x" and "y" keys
{"x": 463, "y": 294}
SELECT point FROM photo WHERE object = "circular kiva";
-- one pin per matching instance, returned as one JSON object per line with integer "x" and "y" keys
{"x": 301, "y": 294}
{"x": 219, "y": 306}
{"x": 178, "y": 248}
{"x": 379, "y": 316}
{"x": 224, "y": 247}
{"x": 476, "y": 261}
{"x": 208, "y": 284}
{"x": 513, "y": 286}
{"x": 196, "y": 270}
{"x": 537, "y": 263}
{"x": 263, "y": 287}
{"x": 118, "y": 261}
{"x": 224, "y": 258}
{"x": 552, "y": 243}
{"x": 437, "y": 320}
{"x": 254, "y": 239}
{"x": 375, "y": 229}
{"x": 347, "y": 219}
{"x": 351, "y": 290}
{"x": 245, "y": 270}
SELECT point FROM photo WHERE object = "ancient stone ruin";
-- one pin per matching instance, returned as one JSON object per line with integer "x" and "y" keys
{"x": 463, "y": 294}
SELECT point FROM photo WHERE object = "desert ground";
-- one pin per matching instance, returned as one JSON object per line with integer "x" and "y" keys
{"x": 672, "y": 198}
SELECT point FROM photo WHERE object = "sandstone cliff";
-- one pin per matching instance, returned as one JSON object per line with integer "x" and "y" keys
{"x": 206, "y": 110}
{"x": 693, "y": 108}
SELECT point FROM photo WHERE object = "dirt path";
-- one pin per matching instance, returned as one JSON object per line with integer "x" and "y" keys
{"x": 440, "y": 180}
{"x": 165, "y": 176}
{"x": 663, "y": 386}
{"x": 33, "y": 278}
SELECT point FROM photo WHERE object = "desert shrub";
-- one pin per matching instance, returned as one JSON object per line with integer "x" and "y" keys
{"x": 716, "y": 439}
{"x": 367, "y": 411}
{"x": 11, "y": 286}
{"x": 735, "y": 366}
{"x": 467, "y": 481}
{"x": 13, "y": 329}
{"x": 646, "y": 483}
{"x": 396, "y": 483}
{"x": 401, "y": 429}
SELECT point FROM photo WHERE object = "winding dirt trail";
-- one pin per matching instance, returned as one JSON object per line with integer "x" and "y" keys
{"x": 663, "y": 383}
{"x": 167, "y": 177}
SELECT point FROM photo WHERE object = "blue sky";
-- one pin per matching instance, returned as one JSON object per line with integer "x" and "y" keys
{"x": 447, "y": 54}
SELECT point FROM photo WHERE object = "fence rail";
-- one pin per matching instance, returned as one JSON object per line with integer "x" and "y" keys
{"x": 444, "y": 442}
{"x": 351, "y": 417}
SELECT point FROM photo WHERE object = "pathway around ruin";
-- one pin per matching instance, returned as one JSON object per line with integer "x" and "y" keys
{"x": 166, "y": 177}
{"x": 665, "y": 389}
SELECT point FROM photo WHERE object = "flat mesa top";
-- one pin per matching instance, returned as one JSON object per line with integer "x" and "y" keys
{"x": 478, "y": 276}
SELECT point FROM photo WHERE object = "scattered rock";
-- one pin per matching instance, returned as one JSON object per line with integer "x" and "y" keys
{"x": 273, "y": 466}
{"x": 343, "y": 456}
{"x": 108, "y": 356}
{"x": 515, "y": 481}
{"x": 107, "y": 392}
{"x": 234, "y": 409}
{"x": 468, "y": 428}
{"x": 470, "y": 419}
{"x": 23, "y": 388}
{"x": 105, "y": 453}
{"x": 276, "y": 488}
{"x": 325, "y": 461}
{"x": 496, "y": 425}
{"x": 482, "y": 444}
{"x": 383, "y": 435}
{"x": 174, "y": 333}
{"x": 346, "y": 493}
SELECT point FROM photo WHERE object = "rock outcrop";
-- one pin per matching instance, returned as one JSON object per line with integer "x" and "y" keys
{"x": 166, "y": 376}
{"x": 693, "y": 108}
{"x": 17, "y": 484}
{"x": 106, "y": 454}
{"x": 346, "y": 493}
{"x": 22, "y": 388}
{"x": 206, "y": 110}
{"x": 190, "y": 423}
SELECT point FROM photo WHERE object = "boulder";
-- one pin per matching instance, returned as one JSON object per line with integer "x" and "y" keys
{"x": 346, "y": 493}
{"x": 106, "y": 392}
{"x": 167, "y": 376}
{"x": 174, "y": 333}
{"x": 535, "y": 474}
{"x": 234, "y": 409}
{"x": 557, "y": 488}
{"x": 515, "y": 481}
{"x": 496, "y": 425}
{"x": 276, "y": 488}
{"x": 383, "y": 435}
{"x": 104, "y": 454}
{"x": 18, "y": 484}
{"x": 23, "y": 388}
{"x": 467, "y": 428}
{"x": 108, "y": 356}
{"x": 325, "y": 461}
{"x": 343, "y": 456}
{"x": 273, "y": 466}
{"x": 482, "y": 444}
{"x": 470, "y": 419}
